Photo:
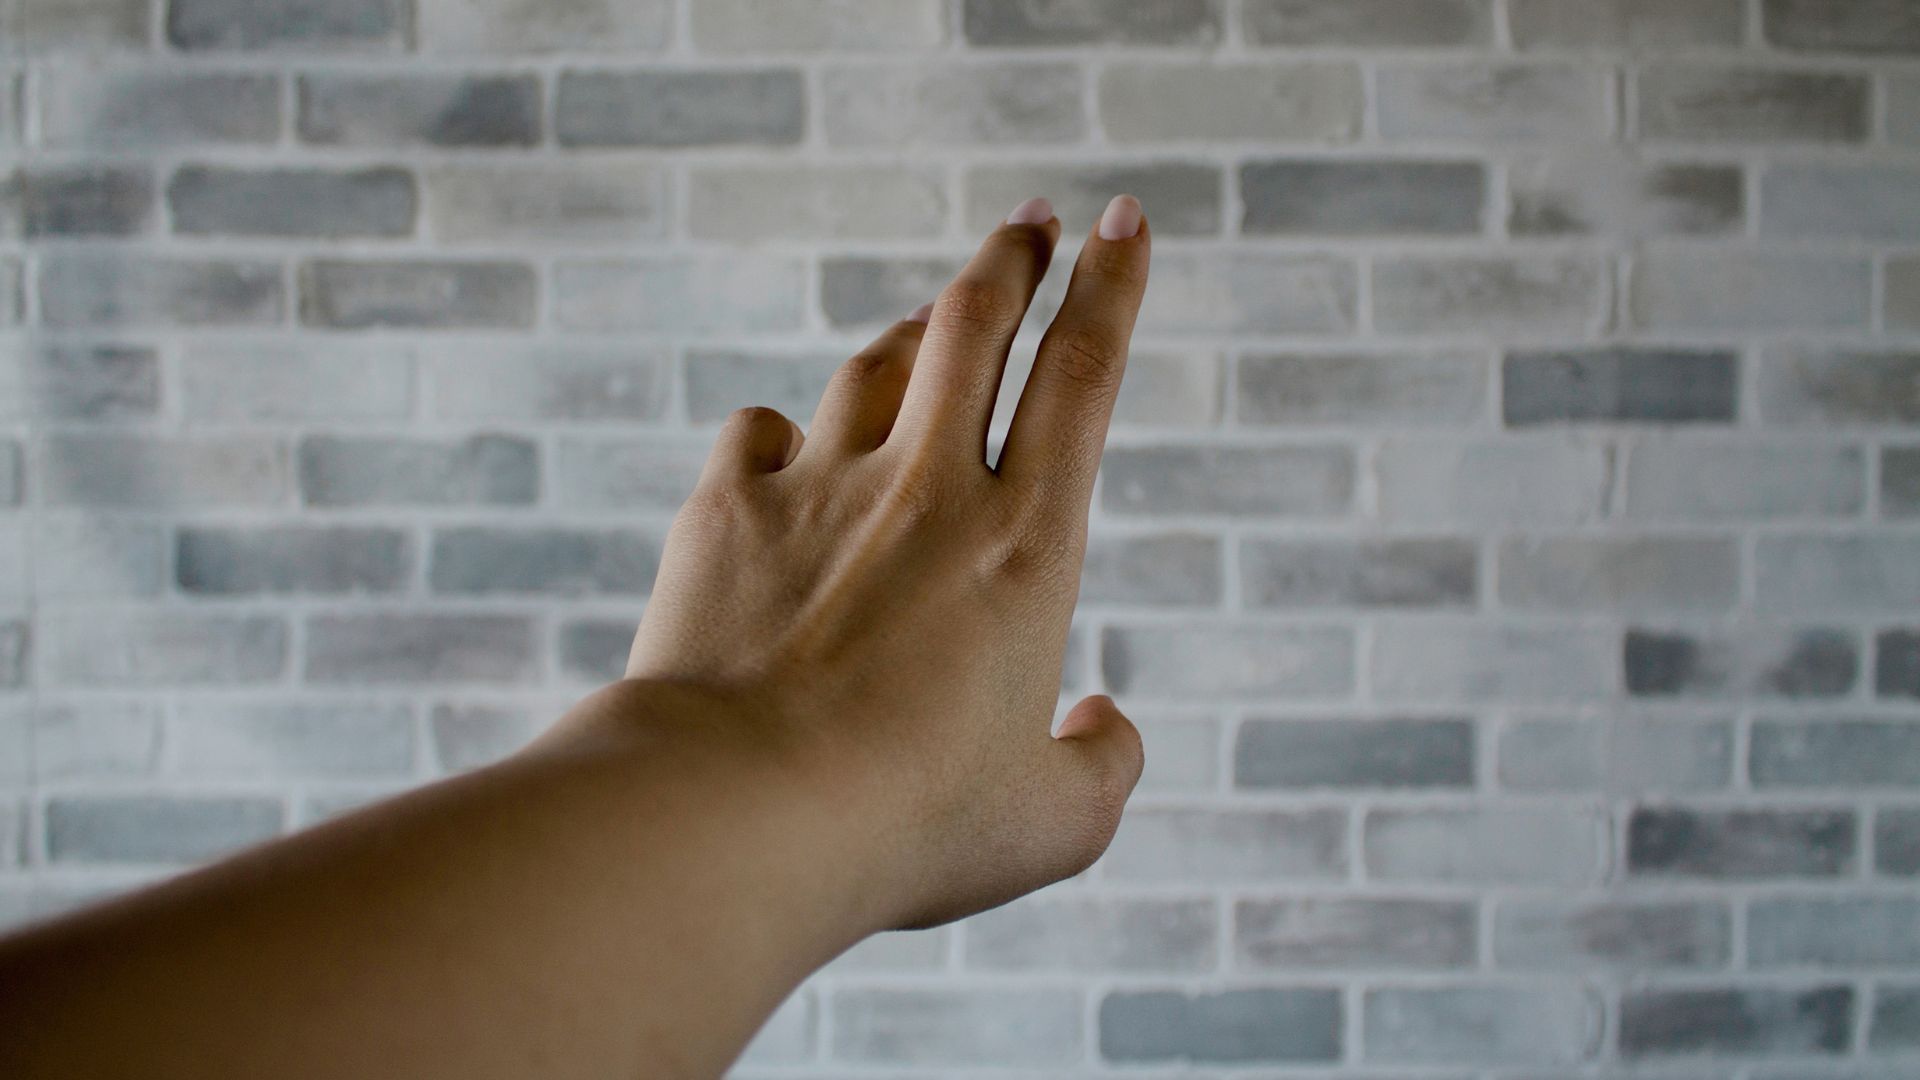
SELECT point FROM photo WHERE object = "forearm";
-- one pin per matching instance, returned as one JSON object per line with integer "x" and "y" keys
{"x": 629, "y": 897}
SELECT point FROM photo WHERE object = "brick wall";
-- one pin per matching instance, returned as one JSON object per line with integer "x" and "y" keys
{"x": 1506, "y": 540}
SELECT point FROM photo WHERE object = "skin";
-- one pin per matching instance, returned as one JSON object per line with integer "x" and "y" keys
{"x": 835, "y": 721}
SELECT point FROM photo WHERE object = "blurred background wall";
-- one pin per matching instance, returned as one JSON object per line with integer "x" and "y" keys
{"x": 1506, "y": 539}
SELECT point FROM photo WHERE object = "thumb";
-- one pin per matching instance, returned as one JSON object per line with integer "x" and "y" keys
{"x": 1107, "y": 744}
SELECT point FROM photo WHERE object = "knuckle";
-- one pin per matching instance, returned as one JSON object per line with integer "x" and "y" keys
{"x": 1084, "y": 356}
{"x": 974, "y": 302}
{"x": 863, "y": 367}
{"x": 753, "y": 416}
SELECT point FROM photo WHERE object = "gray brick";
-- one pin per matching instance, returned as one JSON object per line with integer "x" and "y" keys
{"x": 1810, "y": 385}
{"x": 754, "y": 26}
{"x": 1088, "y": 934}
{"x": 1740, "y": 844}
{"x": 1623, "y": 936}
{"x": 427, "y": 109}
{"x": 1873, "y": 203}
{"x": 1498, "y": 1025}
{"x": 1896, "y": 663}
{"x": 292, "y": 559}
{"x": 12, "y": 469}
{"x": 360, "y": 294}
{"x": 160, "y": 648}
{"x": 1091, "y": 22}
{"x": 1514, "y": 294}
{"x": 1250, "y": 292}
{"x": 541, "y": 203}
{"x": 1405, "y": 573}
{"x": 12, "y": 108}
{"x": 1236, "y": 1027}
{"x": 550, "y": 382}
{"x": 518, "y": 26}
{"x": 1302, "y": 754}
{"x": 469, "y": 736}
{"x": 85, "y": 200}
{"x": 1357, "y": 932}
{"x": 13, "y": 291}
{"x": 229, "y": 382}
{"x": 1736, "y": 1021}
{"x": 1623, "y": 574}
{"x": 1465, "y": 662}
{"x": 1682, "y": 479}
{"x": 1164, "y": 569}
{"x": 764, "y": 106}
{"x": 138, "y": 472}
{"x": 952, "y": 1027}
{"x": 1425, "y": 389}
{"x": 631, "y": 476}
{"x": 1896, "y": 841}
{"x": 694, "y": 294}
{"x": 16, "y": 653}
{"x": 1748, "y": 292}
{"x": 1532, "y": 846}
{"x": 1710, "y": 103}
{"x": 1184, "y": 198}
{"x": 383, "y": 649}
{"x": 896, "y": 951}
{"x": 862, "y": 291}
{"x": 1304, "y": 102}
{"x": 481, "y": 470}
{"x": 1845, "y": 754}
{"x": 62, "y": 381}
{"x": 999, "y": 103}
{"x": 1288, "y": 481}
{"x": 750, "y": 203}
{"x": 557, "y": 562}
{"x": 1605, "y": 193}
{"x": 1183, "y": 753}
{"x": 1863, "y": 26}
{"x": 1194, "y": 847}
{"x": 1493, "y": 103}
{"x": 292, "y": 739}
{"x": 1616, "y": 755}
{"x": 155, "y": 828}
{"x": 42, "y": 26}
{"x": 1370, "y": 24}
{"x": 1900, "y": 481}
{"x": 149, "y": 107}
{"x": 1849, "y": 573}
{"x": 1833, "y": 932}
{"x": 719, "y": 381}
{"x": 596, "y": 650}
{"x": 1228, "y": 662}
{"x": 289, "y": 24}
{"x": 1362, "y": 198}
{"x": 103, "y": 291}
{"x": 1896, "y": 1019}
{"x": 219, "y": 201}
{"x": 89, "y": 556}
{"x": 1620, "y": 385}
{"x": 1744, "y": 662}
{"x": 1626, "y": 24}
{"x": 91, "y": 741}
{"x": 1903, "y": 294}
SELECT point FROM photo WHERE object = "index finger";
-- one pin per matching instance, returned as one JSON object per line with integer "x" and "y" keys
{"x": 1060, "y": 425}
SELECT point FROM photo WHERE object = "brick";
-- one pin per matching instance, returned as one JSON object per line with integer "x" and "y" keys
{"x": 1354, "y": 754}
{"x": 386, "y": 649}
{"x": 1370, "y": 24}
{"x": 1367, "y": 933}
{"x": 425, "y": 109}
{"x": 141, "y": 472}
{"x": 520, "y": 26}
{"x": 1183, "y": 753}
{"x": 1620, "y": 385}
{"x": 140, "y": 648}
{"x": 292, "y": 739}
{"x": 1672, "y": 479}
{"x": 953, "y": 1027}
{"x": 154, "y": 828}
{"x": 148, "y": 107}
{"x": 1735, "y": 1021}
{"x": 1251, "y": 292}
{"x": 1362, "y": 198}
{"x": 1014, "y": 23}
{"x": 1899, "y": 481}
{"x": 1871, "y": 203}
{"x": 1748, "y": 293}
{"x": 1621, "y": 936}
{"x": 1227, "y": 1026}
{"x": 84, "y": 290}
{"x": 1847, "y": 573}
{"x": 1833, "y": 932}
{"x": 224, "y": 382}
{"x": 292, "y": 559}
{"x": 1286, "y": 481}
{"x": 1465, "y": 662}
{"x": 90, "y": 556}
{"x": 12, "y": 108}
{"x": 62, "y": 381}
{"x": 1622, "y": 574}
{"x": 751, "y": 203}
{"x": 1837, "y": 387}
{"x": 596, "y": 650}
{"x": 1845, "y": 754}
{"x": 556, "y": 562}
{"x": 16, "y": 653}
{"x": 1700, "y": 103}
{"x": 1401, "y": 573}
{"x": 1864, "y": 26}
{"x": 1226, "y": 662}
{"x": 481, "y": 470}
{"x": 42, "y": 26}
{"x": 1185, "y": 197}
{"x": 719, "y": 381}
{"x": 1534, "y": 846}
{"x": 975, "y": 104}
{"x": 757, "y": 26}
{"x": 864, "y": 291}
{"x": 606, "y": 203}
{"x": 1895, "y": 1025}
{"x": 332, "y": 203}
{"x": 631, "y": 476}
{"x": 85, "y": 200}
{"x": 419, "y": 294}
{"x": 1896, "y": 841}
{"x": 1481, "y": 1025}
{"x": 1423, "y": 389}
{"x": 1608, "y": 194}
{"x": 1085, "y": 934}
{"x": 1744, "y": 662}
{"x": 1896, "y": 663}
{"x": 1492, "y": 103}
{"x": 1739, "y": 844}
{"x": 91, "y": 741}
{"x": 12, "y": 469}
{"x": 13, "y": 287}
{"x": 896, "y": 951}
{"x": 1903, "y": 109}
{"x": 695, "y": 294}
{"x": 1640, "y": 25}
{"x": 1902, "y": 302}
{"x": 763, "y": 106}
{"x": 469, "y": 736}
{"x": 1516, "y": 294}
{"x": 1196, "y": 847}
{"x": 1162, "y": 569}
{"x": 377, "y": 25}
{"x": 550, "y": 381}
{"x": 1301, "y": 102}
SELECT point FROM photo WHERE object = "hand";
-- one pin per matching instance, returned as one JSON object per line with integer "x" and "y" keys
{"x": 893, "y": 611}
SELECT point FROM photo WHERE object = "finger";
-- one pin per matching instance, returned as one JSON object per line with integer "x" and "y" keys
{"x": 863, "y": 397}
{"x": 1105, "y": 761}
{"x": 1060, "y": 424}
{"x": 949, "y": 400}
{"x": 753, "y": 441}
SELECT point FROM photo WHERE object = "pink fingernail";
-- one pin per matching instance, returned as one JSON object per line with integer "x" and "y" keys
{"x": 1031, "y": 212}
{"x": 1121, "y": 220}
{"x": 921, "y": 314}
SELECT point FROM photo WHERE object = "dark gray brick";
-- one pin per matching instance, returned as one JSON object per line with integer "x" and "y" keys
{"x": 85, "y": 200}
{"x": 1735, "y": 845}
{"x": 1498, "y": 102}
{"x": 1297, "y": 754}
{"x": 1896, "y": 841}
{"x": 1736, "y": 1021}
{"x": 132, "y": 472}
{"x": 1900, "y": 481}
{"x": 1748, "y": 292}
{"x": 862, "y": 291}
{"x": 943, "y": 103}
{"x": 1896, "y": 1020}
{"x": 1857, "y": 26}
{"x": 1192, "y": 847}
{"x": 292, "y": 559}
{"x": 1834, "y": 932}
{"x": 1091, "y": 22}
{"x": 1228, "y": 662}
{"x": 1558, "y": 846}
{"x": 560, "y": 562}
{"x": 147, "y": 107}
{"x": 1846, "y": 754}
{"x": 1362, "y": 198}
{"x": 61, "y": 381}
{"x": 681, "y": 108}
{"x": 596, "y": 649}
{"x": 318, "y": 739}
{"x": 1086, "y": 934}
{"x": 1896, "y": 663}
{"x": 289, "y": 24}
{"x": 483, "y": 470}
{"x": 155, "y": 828}
{"x": 353, "y": 294}
{"x": 1370, "y": 24}
{"x": 1185, "y": 196}
{"x": 1839, "y": 573}
{"x": 1711, "y": 480}
{"x": 1573, "y": 193}
{"x": 380, "y": 649}
{"x": 426, "y": 109}
{"x": 1171, "y": 569}
{"x": 1624, "y": 755}
{"x": 1791, "y": 663}
{"x": 1227, "y": 1026}
{"x": 1291, "y": 481}
{"x": 1625, "y": 574}
{"x": 1476, "y": 294}
{"x": 719, "y": 381}
{"x": 91, "y": 290}
{"x": 219, "y": 201}
{"x": 94, "y": 26}
{"x": 1402, "y": 390}
{"x": 1546, "y": 1024}
{"x": 140, "y": 648}
{"x": 1358, "y": 932}
{"x": 469, "y": 736}
{"x": 1878, "y": 203}
{"x": 1837, "y": 387}
{"x": 1626, "y": 24}
{"x": 1903, "y": 286}
{"x": 1624, "y": 936}
{"x": 1620, "y": 385}
{"x": 1710, "y": 103}
{"x": 1412, "y": 573}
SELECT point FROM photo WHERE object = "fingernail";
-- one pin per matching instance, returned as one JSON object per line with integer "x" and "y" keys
{"x": 1121, "y": 220}
{"x": 1031, "y": 212}
{"x": 921, "y": 314}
